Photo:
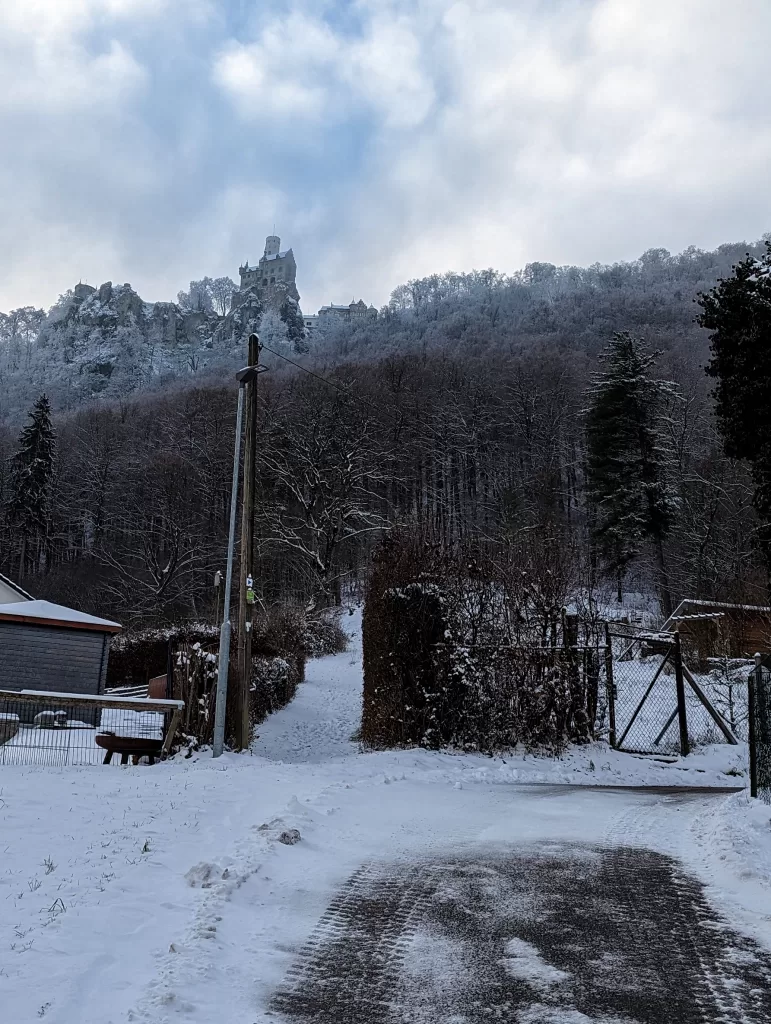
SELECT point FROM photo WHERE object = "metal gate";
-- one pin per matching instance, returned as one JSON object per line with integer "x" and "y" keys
{"x": 656, "y": 704}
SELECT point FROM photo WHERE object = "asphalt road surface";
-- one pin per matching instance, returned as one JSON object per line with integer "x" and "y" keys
{"x": 568, "y": 933}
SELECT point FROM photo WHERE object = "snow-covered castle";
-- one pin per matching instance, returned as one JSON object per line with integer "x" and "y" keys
{"x": 274, "y": 279}
{"x": 273, "y": 282}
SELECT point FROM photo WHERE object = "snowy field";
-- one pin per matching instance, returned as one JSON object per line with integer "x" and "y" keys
{"x": 165, "y": 893}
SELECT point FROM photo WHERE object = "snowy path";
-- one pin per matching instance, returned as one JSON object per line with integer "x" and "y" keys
{"x": 169, "y": 902}
{"x": 319, "y": 724}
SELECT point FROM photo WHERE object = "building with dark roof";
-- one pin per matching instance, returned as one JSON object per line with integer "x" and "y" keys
{"x": 354, "y": 312}
{"x": 273, "y": 280}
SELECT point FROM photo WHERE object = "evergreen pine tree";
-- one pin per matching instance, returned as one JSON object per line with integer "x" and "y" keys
{"x": 627, "y": 455}
{"x": 31, "y": 474}
{"x": 738, "y": 312}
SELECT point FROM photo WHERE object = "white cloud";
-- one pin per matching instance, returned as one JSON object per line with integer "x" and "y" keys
{"x": 299, "y": 67}
{"x": 285, "y": 72}
{"x": 46, "y": 64}
{"x": 46, "y": 19}
{"x": 58, "y": 78}
{"x": 384, "y": 69}
{"x": 154, "y": 142}
{"x": 570, "y": 134}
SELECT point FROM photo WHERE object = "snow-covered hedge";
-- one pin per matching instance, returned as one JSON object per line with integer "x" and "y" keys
{"x": 138, "y": 655}
{"x": 439, "y": 671}
{"x": 281, "y": 642}
{"x": 274, "y": 683}
{"x": 323, "y": 634}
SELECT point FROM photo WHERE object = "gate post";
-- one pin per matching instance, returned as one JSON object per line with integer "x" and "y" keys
{"x": 680, "y": 685}
{"x": 611, "y": 688}
{"x": 753, "y": 684}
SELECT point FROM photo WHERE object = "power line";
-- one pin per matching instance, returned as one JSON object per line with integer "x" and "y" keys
{"x": 354, "y": 398}
{"x": 323, "y": 380}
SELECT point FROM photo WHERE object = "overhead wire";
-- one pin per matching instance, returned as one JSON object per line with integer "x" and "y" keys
{"x": 354, "y": 398}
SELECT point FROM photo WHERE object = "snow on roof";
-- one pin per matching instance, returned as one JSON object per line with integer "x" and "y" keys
{"x": 265, "y": 259}
{"x": 724, "y": 604}
{"x": 46, "y": 613}
{"x": 16, "y": 587}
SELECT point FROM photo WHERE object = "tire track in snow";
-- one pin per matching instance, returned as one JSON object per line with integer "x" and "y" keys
{"x": 733, "y": 999}
{"x": 624, "y": 933}
{"x": 349, "y": 967}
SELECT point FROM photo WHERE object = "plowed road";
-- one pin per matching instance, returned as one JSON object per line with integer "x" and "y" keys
{"x": 543, "y": 933}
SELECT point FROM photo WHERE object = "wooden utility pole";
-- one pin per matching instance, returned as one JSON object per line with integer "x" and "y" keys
{"x": 245, "y": 607}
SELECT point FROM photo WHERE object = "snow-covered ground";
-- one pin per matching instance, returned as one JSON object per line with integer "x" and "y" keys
{"x": 166, "y": 893}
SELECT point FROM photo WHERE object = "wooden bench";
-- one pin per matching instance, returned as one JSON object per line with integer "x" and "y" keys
{"x": 128, "y": 747}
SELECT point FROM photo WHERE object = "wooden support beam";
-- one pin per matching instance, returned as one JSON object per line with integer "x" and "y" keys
{"x": 171, "y": 733}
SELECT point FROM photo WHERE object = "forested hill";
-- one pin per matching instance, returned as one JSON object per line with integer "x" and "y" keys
{"x": 461, "y": 411}
{"x": 577, "y": 307}
{"x": 104, "y": 345}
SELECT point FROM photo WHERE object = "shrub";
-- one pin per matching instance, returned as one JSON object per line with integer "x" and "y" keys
{"x": 273, "y": 685}
{"x": 323, "y": 634}
{"x": 441, "y": 668}
{"x": 138, "y": 655}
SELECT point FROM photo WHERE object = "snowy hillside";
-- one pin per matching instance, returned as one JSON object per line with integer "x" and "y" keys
{"x": 106, "y": 343}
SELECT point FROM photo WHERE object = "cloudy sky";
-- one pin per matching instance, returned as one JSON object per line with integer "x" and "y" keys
{"x": 154, "y": 141}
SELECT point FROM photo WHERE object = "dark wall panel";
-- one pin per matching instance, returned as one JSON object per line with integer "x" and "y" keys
{"x": 51, "y": 658}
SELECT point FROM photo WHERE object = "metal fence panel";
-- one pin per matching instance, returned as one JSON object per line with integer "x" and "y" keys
{"x": 646, "y": 695}
{"x": 760, "y": 731}
{"x": 663, "y": 706}
{"x": 58, "y": 730}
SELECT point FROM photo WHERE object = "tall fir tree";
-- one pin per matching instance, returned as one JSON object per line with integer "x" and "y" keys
{"x": 28, "y": 507}
{"x": 738, "y": 313}
{"x": 629, "y": 495}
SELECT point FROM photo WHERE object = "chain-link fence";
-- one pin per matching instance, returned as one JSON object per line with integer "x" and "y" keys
{"x": 659, "y": 703}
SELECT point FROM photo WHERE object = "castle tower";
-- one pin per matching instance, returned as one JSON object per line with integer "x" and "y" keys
{"x": 273, "y": 281}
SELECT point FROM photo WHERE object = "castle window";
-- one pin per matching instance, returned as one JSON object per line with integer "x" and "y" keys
{"x": 264, "y": 280}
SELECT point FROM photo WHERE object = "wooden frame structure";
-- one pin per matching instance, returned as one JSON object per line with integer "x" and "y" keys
{"x": 746, "y": 628}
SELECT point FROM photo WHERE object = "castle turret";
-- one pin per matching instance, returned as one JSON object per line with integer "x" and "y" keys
{"x": 273, "y": 280}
